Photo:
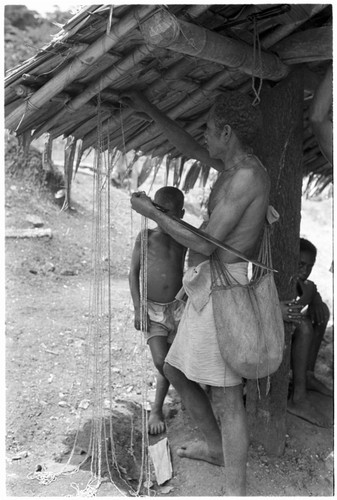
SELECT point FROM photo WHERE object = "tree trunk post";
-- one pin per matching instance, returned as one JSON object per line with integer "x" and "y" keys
{"x": 280, "y": 150}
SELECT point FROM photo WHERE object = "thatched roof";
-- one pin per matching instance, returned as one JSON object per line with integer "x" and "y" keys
{"x": 180, "y": 56}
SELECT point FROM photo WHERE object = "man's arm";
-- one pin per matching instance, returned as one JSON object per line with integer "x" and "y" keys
{"x": 320, "y": 115}
{"x": 183, "y": 141}
{"x": 223, "y": 220}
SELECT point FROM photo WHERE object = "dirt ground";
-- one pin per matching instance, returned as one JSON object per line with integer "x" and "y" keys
{"x": 49, "y": 353}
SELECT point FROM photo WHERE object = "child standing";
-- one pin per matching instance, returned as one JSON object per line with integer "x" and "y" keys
{"x": 165, "y": 267}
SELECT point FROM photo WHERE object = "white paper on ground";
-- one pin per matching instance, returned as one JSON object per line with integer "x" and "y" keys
{"x": 161, "y": 459}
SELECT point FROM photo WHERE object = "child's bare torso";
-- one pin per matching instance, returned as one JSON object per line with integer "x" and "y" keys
{"x": 165, "y": 266}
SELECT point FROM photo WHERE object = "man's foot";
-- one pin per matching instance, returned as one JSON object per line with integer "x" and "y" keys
{"x": 156, "y": 422}
{"x": 313, "y": 384}
{"x": 199, "y": 451}
{"x": 305, "y": 410}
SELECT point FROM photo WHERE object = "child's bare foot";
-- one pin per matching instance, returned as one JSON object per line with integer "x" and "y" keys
{"x": 313, "y": 384}
{"x": 200, "y": 451}
{"x": 304, "y": 409}
{"x": 156, "y": 423}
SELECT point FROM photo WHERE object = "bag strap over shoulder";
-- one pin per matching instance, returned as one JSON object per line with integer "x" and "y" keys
{"x": 219, "y": 271}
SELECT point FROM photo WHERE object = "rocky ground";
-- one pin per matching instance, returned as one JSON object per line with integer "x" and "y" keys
{"x": 57, "y": 375}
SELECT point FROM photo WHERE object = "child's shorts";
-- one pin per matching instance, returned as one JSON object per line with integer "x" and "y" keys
{"x": 164, "y": 319}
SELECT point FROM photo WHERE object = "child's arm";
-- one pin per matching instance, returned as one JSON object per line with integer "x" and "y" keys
{"x": 307, "y": 291}
{"x": 317, "y": 310}
{"x": 134, "y": 281}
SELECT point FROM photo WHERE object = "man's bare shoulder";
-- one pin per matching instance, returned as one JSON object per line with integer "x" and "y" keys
{"x": 253, "y": 173}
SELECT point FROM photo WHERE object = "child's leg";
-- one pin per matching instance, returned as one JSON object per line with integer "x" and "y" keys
{"x": 159, "y": 348}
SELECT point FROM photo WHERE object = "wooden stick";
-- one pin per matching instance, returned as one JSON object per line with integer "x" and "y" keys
{"x": 215, "y": 241}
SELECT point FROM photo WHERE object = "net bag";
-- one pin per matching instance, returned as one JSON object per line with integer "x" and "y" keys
{"x": 248, "y": 318}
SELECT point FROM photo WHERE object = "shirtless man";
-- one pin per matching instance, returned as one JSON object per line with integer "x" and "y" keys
{"x": 165, "y": 267}
{"x": 307, "y": 338}
{"x": 237, "y": 208}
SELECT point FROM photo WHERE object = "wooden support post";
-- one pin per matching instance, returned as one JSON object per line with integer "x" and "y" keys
{"x": 69, "y": 156}
{"x": 280, "y": 149}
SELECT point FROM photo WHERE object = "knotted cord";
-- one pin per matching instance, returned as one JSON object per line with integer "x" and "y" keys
{"x": 257, "y": 63}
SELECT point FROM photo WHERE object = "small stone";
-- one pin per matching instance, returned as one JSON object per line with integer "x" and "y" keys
{"x": 35, "y": 220}
{"x": 84, "y": 404}
{"x": 69, "y": 272}
{"x": 329, "y": 462}
{"x": 48, "y": 267}
{"x": 19, "y": 456}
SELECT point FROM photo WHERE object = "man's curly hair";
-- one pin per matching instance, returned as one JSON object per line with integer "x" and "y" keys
{"x": 235, "y": 109}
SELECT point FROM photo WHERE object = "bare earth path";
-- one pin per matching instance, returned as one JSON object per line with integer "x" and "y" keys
{"x": 47, "y": 295}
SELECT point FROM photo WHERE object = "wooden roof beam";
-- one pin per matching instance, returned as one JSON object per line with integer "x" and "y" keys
{"x": 110, "y": 76}
{"x": 306, "y": 46}
{"x": 76, "y": 67}
{"x": 164, "y": 30}
{"x": 175, "y": 71}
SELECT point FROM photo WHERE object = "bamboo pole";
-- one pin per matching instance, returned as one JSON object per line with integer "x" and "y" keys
{"x": 112, "y": 75}
{"x": 70, "y": 72}
{"x": 46, "y": 60}
{"x": 222, "y": 78}
{"x": 66, "y": 127}
{"x": 164, "y": 30}
{"x": 228, "y": 77}
{"x": 306, "y": 46}
{"x": 191, "y": 129}
{"x": 176, "y": 71}
{"x": 205, "y": 92}
{"x": 138, "y": 55}
{"x": 160, "y": 144}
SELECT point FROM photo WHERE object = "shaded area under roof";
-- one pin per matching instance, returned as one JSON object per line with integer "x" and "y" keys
{"x": 180, "y": 56}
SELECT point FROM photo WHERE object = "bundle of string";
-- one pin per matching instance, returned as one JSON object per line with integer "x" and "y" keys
{"x": 95, "y": 391}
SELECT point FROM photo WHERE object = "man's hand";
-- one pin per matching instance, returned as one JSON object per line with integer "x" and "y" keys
{"x": 142, "y": 204}
{"x": 291, "y": 311}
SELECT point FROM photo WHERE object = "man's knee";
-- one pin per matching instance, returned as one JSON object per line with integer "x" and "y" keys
{"x": 228, "y": 400}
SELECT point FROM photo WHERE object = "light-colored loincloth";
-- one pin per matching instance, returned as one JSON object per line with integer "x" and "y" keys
{"x": 195, "y": 350}
{"x": 164, "y": 319}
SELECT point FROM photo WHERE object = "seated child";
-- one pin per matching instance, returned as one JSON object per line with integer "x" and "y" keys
{"x": 165, "y": 267}
{"x": 307, "y": 338}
